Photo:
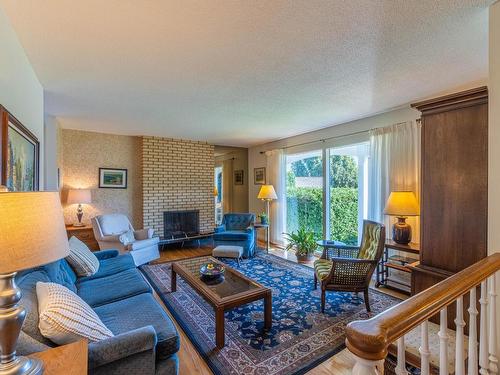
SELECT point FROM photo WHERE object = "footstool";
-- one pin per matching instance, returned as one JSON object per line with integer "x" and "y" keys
{"x": 228, "y": 251}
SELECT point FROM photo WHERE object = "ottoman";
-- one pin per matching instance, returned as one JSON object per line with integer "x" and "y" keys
{"x": 228, "y": 251}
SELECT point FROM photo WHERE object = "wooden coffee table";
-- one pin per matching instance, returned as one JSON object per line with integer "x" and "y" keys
{"x": 234, "y": 291}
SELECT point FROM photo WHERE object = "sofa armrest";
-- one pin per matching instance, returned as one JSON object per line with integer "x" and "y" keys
{"x": 121, "y": 346}
{"x": 220, "y": 228}
{"x": 249, "y": 229}
{"x": 106, "y": 254}
{"x": 144, "y": 234}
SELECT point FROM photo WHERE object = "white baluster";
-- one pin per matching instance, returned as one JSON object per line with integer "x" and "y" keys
{"x": 401, "y": 366}
{"x": 424, "y": 348}
{"x": 483, "y": 330}
{"x": 443, "y": 342}
{"x": 459, "y": 339}
{"x": 493, "y": 366}
{"x": 472, "y": 357}
{"x": 366, "y": 367}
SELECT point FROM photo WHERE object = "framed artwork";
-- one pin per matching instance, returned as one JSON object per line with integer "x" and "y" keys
{"x": 19, "y": 154}
{"x": 112, "y": 178}
{"x": 259, "y": 176}
{"x": 238, "y": 177}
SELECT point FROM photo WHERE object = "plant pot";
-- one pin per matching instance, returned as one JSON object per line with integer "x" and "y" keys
{"x": 264, "y": 221}
{"x": 305, "y": 258}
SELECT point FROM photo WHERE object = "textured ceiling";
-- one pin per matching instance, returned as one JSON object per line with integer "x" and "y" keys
{"x": 243, "y": 72}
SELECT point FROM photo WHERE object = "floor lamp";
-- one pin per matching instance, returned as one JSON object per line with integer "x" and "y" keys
{"x": 267, "y": 194}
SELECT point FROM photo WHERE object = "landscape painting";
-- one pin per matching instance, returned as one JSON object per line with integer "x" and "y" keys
{"x": 112, "y": 178}
{"x": 20, "y": 150}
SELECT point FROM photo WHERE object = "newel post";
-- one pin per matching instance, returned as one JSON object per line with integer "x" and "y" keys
{"x": 367, "y": 367}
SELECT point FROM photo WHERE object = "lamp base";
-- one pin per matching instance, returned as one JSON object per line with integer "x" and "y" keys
{"x": 22, "y": 366}
{"x": 401, "y": 231}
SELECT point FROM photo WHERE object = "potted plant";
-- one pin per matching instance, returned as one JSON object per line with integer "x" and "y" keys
{"x": 263, "y": 218}
{"x": 303, "y": 242}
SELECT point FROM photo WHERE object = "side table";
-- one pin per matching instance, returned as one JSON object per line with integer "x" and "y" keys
{"x": 396, "y": 262}
{"x": 266, "y": 227}
{"x": 65, "y": 359}
{"x": 84, "y": 234}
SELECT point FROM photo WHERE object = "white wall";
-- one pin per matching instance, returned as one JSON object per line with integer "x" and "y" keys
{"x": 51, "y": 137}
{"x": 255, "y": 159}
{"x": 494, "y": 142}
{"x": 20, "y": 91}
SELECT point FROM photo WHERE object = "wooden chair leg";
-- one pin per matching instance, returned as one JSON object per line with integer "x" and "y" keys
{"x": 367, "y": 301}
{"x": 323, "y": 300}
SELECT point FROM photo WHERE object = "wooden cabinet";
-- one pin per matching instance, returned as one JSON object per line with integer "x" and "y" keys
{"x": 70, "y": 359}
{"x": 84, "y": 234}
{"x": 454, "y": 185}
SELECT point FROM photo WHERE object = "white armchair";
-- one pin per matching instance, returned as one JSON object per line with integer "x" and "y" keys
{"x": 114, "y": 231}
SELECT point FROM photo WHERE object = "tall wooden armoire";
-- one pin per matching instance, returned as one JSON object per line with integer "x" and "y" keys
{"x": 454, "y": 185}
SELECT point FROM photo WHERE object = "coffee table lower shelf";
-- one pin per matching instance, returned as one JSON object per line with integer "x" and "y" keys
{"x": 225, "y": 303}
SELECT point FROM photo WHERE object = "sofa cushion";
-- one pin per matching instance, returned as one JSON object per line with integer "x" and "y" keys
{"x": 97, "y": 292}
{"x": 60, "y": 272}
{"x": 81, "y": 258}
{"x": 112, "y": 224}
{"x": 112, "y": 266}
{"x": 139, "y": 311}
{"x": 65, "y": 317}
{"x": 238, "y": 221}
{"x": 233, "y": 235}
{"x": 26, "y": 281}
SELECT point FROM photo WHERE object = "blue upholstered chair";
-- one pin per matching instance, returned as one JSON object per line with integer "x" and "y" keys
{"x": 238, "y": 230}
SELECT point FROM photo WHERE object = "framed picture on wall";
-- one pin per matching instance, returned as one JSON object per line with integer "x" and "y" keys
{"x": 238, "y": 177}
{"x": 259, "y": 176}
{"x": 19, "y": 154}
{"x": 112, "y": 178}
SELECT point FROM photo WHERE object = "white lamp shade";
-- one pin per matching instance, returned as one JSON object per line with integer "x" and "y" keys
{"x": 79, "y": 196}
{"x": 32, "y": 231}
{"x": 402, "y": 203}
{"x": 267, "y": 193}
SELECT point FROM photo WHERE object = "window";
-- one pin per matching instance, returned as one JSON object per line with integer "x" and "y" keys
{"x": 348, "y": 191}
{"x": 304, "y": 187}
{"x": 218, "y": 194}
{"x": 329, "y": 199}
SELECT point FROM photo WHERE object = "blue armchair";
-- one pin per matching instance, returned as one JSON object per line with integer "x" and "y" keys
{"x": 238, "y": 230}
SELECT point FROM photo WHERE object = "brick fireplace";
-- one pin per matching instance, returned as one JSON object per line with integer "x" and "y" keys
{"x": 177, "y": 175}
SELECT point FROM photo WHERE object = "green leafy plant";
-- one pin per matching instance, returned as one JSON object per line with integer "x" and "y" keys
{"x": 263, "y": 217}
{"x": 303, "y": 241}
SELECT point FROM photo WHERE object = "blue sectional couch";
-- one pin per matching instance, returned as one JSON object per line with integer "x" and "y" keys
{"x": 237, "y": 229}
{"x": 145, "y": 341}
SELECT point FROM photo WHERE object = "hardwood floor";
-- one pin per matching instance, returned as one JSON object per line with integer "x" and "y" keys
{"x": 190, "y": 361}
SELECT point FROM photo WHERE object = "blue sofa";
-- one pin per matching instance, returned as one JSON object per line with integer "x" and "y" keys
{"x": 237, "y": 229}
{"x": 145, "y": 341}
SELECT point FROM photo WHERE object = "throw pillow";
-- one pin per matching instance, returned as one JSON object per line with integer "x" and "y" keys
{"x": 127, "y": 237}
{"x": 81, "y": 258}
{"x": 64, "y": 317}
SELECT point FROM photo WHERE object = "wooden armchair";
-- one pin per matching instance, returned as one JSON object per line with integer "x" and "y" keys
{"x": 350, "y": 268}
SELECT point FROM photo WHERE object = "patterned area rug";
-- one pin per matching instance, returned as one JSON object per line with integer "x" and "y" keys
{"x": 301, "y": 336}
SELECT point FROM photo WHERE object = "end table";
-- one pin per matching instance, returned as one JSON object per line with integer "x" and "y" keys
{"x": 266, "y": 227}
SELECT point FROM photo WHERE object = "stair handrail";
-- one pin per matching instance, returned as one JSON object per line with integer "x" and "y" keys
{"x": 370, "y": 339}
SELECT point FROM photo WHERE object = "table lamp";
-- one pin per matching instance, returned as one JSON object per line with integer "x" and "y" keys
{"x": 79, "y": 196}
{"x": 267, "y": 194}
{"x": 32, "y": 234}
{"x": 402, "y": 204}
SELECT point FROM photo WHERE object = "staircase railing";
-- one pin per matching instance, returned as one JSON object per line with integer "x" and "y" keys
{"x": 369, "y": 340}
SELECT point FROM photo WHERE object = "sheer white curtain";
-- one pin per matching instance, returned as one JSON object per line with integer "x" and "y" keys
{"x": 275, "y": 169}
{"x": 394, "y": 165}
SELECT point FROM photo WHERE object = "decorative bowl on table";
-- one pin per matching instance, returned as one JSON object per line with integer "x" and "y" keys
{"x": 212, "y": 273}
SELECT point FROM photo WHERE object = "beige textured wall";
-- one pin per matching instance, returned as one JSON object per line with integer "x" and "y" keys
{"x": 177, "y": 175}
{"x": 83, "y": 153}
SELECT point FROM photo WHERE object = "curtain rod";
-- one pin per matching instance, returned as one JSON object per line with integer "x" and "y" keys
{"x": 323, "y": 140}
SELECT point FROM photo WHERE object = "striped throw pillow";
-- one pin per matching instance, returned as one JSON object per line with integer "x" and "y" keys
{"x": 64, "y": 317}
{"x": 81, "y": 258}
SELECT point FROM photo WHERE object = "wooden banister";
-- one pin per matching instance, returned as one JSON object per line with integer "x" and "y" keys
{"x": 370, "y": 339}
